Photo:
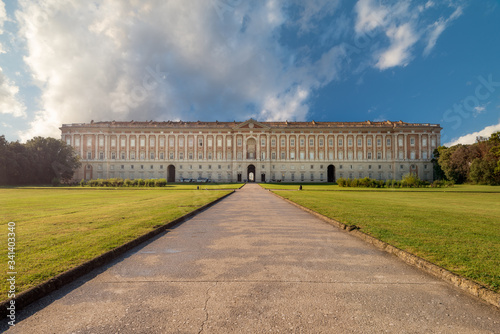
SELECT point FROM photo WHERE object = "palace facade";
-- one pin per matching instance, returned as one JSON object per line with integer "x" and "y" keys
{"x": 253, "y": 151}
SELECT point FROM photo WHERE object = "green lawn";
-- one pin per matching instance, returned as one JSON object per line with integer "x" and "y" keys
{"x": 457, "y": 228}
{"x": 59, "y": 228}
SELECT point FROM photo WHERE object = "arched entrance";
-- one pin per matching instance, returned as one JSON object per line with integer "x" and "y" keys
{"x": 171, "y": 173}
{"x": 331, "y": 173}
{"x": 88, "y": 172}
{"x": 251, "y": 173}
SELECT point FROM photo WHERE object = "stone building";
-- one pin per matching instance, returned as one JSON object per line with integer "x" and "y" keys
{"x": 252, "y": 150}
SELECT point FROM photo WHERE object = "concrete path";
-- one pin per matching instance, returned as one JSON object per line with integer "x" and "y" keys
{"x": 256, "y": 264}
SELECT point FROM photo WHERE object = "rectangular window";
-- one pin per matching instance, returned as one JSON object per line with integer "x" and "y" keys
{"x": 302, "y": 155}
{"x": 132, "y": 142}
{"x": 379, "y": 142}
{"x": 113, "y": 155}
{"x": 412, "y": 141}
{"x": 360, "y": 141}
{"x": 181, "y": 155}
{"x": 388, "y": 142}
{"x": 101, "y": 156}
{"x": 412, "y": 155}
{"x": 190, "y": 141}
{"x": 219, "y": 142}
{"x": 262, "y": 142}
{"x": 123, "y": 155}
{"x": 152, "y": 141}
{"x": 209, "y": 141}
{"x": 228, "y": 141}
{"x": 292, "y": 141}
{"x": 143, "y": 156}
{"x": 379, "y": 155}
{"x": 349, "y": 155}
{"x": 273, "y": 141}
{"x": 152, "y": 155}
{"x": 132, "y": 155}
{"x": 433, "y": 142}
{"x": 311, "y": 155}
{"x": 311, "y": 142}
{"x": 368, "y": 141}
{"x": 239, "y": 141}
{"x": 424, "y": 155}
{"x": 282, "y": 141}
{"x": 162, "y": 156}
{"x": 330, "y": 142}
{"x": 360, "y": 155}
{"x": 162, "y": 141}
{"x": 341, "y": 141}
{"x": 122, "y": 141}
{"x": 101, "y": 141}
{"x": 171, "y": 155}
{"x": 200, "y": 142}
{"x": 283, "y": 155}
{"x": 292, "y": 155}
{"x": 349, "y": 142}
{"x": 113, "y": 142}
{"x": 400, "y": 141}
{"x": 369, "y": 155}
{"x": 143, "y": 142}
{"x": 89, "y": 141}
{"x": 341, "y": 155}
{"x": 320, "y": 142}
{"x": 273, "y": 155}
{"x": 301, "y": 142}
{"x": 181, "y": 141}
{"x": 171, "y": 141}
{"x": 321, "y": 156}
{"x": 424, "y": 141}
{"x": 190, "y": 155}
{"x": 89, "y": 155}
{"x": 400, "y": 155}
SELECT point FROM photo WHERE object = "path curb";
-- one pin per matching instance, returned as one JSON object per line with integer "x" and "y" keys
{"x": 41, "y": 290}
{"x": 463, "y": 283}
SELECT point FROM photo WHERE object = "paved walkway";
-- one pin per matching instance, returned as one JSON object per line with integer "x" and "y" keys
{"x": 253, "y": 264}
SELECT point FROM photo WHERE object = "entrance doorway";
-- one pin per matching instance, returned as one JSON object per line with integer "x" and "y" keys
{"x": 239, "y": 177}
{"x": 251, "y": 173}
{"x": 262, "y": 177}
{"x": 171, "y": 173}
{"x": 331, "y": 173}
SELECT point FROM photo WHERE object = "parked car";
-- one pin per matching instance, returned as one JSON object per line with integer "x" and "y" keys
{"x": 202, "y": 180}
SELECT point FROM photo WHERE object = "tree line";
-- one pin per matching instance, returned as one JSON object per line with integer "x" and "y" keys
{"x": 477, "y": 163}
{"x": 38, "y": 161}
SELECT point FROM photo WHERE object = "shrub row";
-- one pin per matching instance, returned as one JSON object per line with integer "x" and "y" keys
{"x": 408, "y": 181}
{"x": 117, "y": 182}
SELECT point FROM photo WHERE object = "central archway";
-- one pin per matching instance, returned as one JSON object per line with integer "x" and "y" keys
{"x": 251, "y": 173}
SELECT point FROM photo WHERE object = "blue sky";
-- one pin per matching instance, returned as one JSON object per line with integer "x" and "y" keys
{"x": 416, "y": 61}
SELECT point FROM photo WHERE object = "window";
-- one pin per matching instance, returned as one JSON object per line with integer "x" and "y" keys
{"x": 302, "y": 155}
{"x": 142, "y": 166}
{"x": 369, "y": 141}
{"x": 283, "y": 157}
{"x": 89, "y": 155}
{"x": 400, "y": 155}
{"x": 162, "y": 141}
{"x": 209, "y": 141}
{"x": 301, "y": 142}
{"x": 151, "y": 167}
{"x": 143, "y": 141}
{"x": 228, "y": 141}
{"x": 219, "y": 142}
{"x": 321, "y": 142}
{"x": 171, "y": 155}
{"x": 312, "y": 176}
{"x": 330, "y": 142}
{"x": 401, "y": 167}
{"x": 369, "y": 155}
{"x": 190, "y": 141}
{"x": 282, "y": 141}
{"x": 113, "y": 142}
{"x": 388, "y": 142}
{"x": 360, "y": 155}
{"x": 89, "y": 141}
{"x": 311, "y": 141}
{"x": 389, "y": 155}
{"x": 412, "y": 141}
{"x": 349, "y": 155}
{"x": 273, "y": 141}
{"x": 369, "y": 166}
{"x": 143, "y": 156}
{"x": 113, "y": 155}
{"x": 122, "y": 141}
{"x": 101, "y": 156}
{"x": 424, "y": 141}
{"x": 77, "y": 141}
{"x": 424, "y": 155}
{"x": 122, "y": 166}
{"x": 131, "y": 166}
{"x": 181, "y": 141}
{"x": 341, "y": 155}
{"x": 200, "y": 142}
{"x": 273, "y": 155}
{"x": 152, "y": 141}
{"x": 341, "y": 141}
{"x": 292, "y": 141}
{"x": 292, "y": 155}
{"x": 190, "y": 155}
{"x": 219, "y": 155}
{"x": 412, "y": 155}
{"x": 181, "y": 155}
{"x": 162, "y": 156}
{"x": 349, "y": 142}
{"x": 152, "y": 155}
{"x": 433, "y": 142}
{"x": 123, "y": 155}
{"x": 101, "y": 141}
{"x": 321, "y": 156}
{"x": 311, "y": 155}
{"x": 171, "y": 141}
{"x": 132, "y": 155}
{"x": 239, "y": 141}
{"x": 262, "y": 142}
{"x": 360, "y": 142}
{"x": 400, "y": 141}
{"x": 379, "y": 142}
{"x": 379, "y": 155}
{"x": 209, "y": 155}
{"x": 200, "y": 155}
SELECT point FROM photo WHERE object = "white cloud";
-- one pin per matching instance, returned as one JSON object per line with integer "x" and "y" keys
{"x": 9, "y": 102}
{"x": 437, "y": 28}
{"x": 471, "y": 137}
{"x": 403, "y": 25}
{"x": 106, "y": 60}
{"x": 402, "y": 39}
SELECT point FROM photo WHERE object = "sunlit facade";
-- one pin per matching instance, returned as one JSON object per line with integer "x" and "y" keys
{"x": 253, "y": 151}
